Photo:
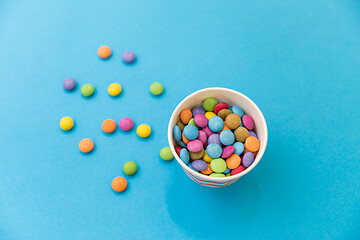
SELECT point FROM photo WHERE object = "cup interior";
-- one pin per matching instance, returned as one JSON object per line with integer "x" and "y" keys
{"x": 231, "y": 97}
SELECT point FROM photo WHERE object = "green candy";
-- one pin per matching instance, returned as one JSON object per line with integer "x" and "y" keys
{"x": 166, "y": 154}
{"x": 218, "y": 165}
{"x": 228, "y": 174}
{"x": 156, "y": 88}
{"x": 192, "y": 122}
{"x": 87, "y": 90}
{"x": 130, "y": 168}
{"x": 217, "y": 175}
{"x": 209, "y": 104}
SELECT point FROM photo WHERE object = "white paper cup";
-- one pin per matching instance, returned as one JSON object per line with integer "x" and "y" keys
{"x": 232, "y": 97}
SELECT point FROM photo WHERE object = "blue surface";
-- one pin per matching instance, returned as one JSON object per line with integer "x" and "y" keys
{"x": 298, "y": 60}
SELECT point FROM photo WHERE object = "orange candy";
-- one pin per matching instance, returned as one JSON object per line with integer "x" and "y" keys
{"x": 252, "y": 144}
{"x": 233, "y": 161}
{"x": 104, "y": 52}
{"x": 119, "y": 184}
{"x": 185, "y": 115}
{"x": 224, "y": 128}
{"x": 108, "y": 126}
{"x": 208, "y": 170}
{"x": 185, "y": 140}
{"x": 86, "y": 145}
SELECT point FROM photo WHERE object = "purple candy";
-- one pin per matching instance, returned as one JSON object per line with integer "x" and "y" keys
{"x": 198, "y": 110}
{"x": 207, "y": 131}
{"x": 69, "y": 84}
{"x": 227, "y": 151}
{"x": 202, "y": 137}
{"x": 195, "y": 145}
{"x": 214, "y": 138}
{"x": 201, "y": 120}
{"x": 248, "y": 159}
{"x": 248, "y": 122}
{"x": 199, "y": 165}
{"x": 129, "y": 57}
{"x": 251, "y": 133}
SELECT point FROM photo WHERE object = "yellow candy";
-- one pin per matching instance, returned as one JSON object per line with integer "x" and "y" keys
{"x": 143, "y": 130}
{"x": 66, "y": 123}
{"x": 209, "y": 115}
{"x": 114, "y": 89}
{"x": 206, "y": 157}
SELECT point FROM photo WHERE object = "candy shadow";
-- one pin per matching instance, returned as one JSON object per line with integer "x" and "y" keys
{"x": 90, "y": 153}
{"x": 91, "y": 97}
{"x": 131, "y": 64}
{"x": 148, "y": 138}
{"x": 161, "y": 96}
{"x": 71, "y": 91}
{"x": 128, "y": 188}
{"x": 118, "y": 96}
{"x": 72, "y": 130}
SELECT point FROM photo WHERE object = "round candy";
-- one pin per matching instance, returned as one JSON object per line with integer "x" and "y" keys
{"x": 233, "y": 161}
{"x": 166, "y": 154}
{"x": 69, "y": 84}
{"x": 209, "y": 104}
{"x": 190, "y": 166}
{"x": 66, "y": 123}
{"x": 143, "y": 131}
{"x": 119, "y": 184}
{"x": 197, "y": 155}
{"x": 185, "y": 115}
{"x": 207, "y": 131}
{"x": 214, "y": 138}
{"x": 177, "y": 150}
{"x": 237, "y": 170}
{"x": 227, "y": 151}
{"x": 108, "y": 126}
{"x": 126, "y": 124}
{"x": 207, "y": 170}
{"x": 224, "y": 113}
{"x": 216, "y": 124}
{"x": 228, "y": 170}
{"x": 239, "y": 148}
{"x": 214, "y": 150}
{"x": 185, "y": 140}
{"x": 184, "y": 156}
{"x": 233, "y": 121}
{"x": 227, "y": 137}
{"x": 86, "y": 145}
{"x": 237, "y": 110}
{"x": 198, "y": 110}
{"x": 181, "y": 144}
{"x": 220, "y": 106}
{"x": 252, "y": 144}
{"x": 199, "y": 165}
{"x": 104, "y": 52}
{"x": 130, "y": 168}
{"x": 177, "y": 133}
{"x": 201, "y": 120}
{"x": 87, "y": 90}
{"x": 209, "y": 115}
{"x": 192, "y": 122}
{"x": 252, "y": 133}
{"x": 217, "y": 175}
{"x": 191, "y": 132}
{"x": 181, "y": 125}
{"x": 156, "y": 88}
{"x": 218, "y": 165}
{"x": 248, "y": 159}
{"x": 248, "y": 122}
{"x": 128, "y": 57}
{"x": 241, "y": 134}
{"x": 206, "y": 157}
{"x": 202, "y": 137}
{"x": 114, "y": 89}
{"x": 195, "y": 146}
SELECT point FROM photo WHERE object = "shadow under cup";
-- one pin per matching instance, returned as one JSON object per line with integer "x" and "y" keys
{"x": 231, "y": 97}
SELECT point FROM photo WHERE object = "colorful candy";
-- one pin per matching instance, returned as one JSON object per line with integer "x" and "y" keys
{"x": 248, "y": 122}
{"x": 209, "y": 104}
{"x": 199, "y": 165}
{"x": 143, "y": 131}
{"x": 218, "y": 165}
{"x": 104, "y": 52}
{"x": 216, "y": 124}
{"x": 126, "y": 124}
{"x": 166, "y": 154}
{"x": 191, "y": 132}
{"x": 114, "y": 89}
{"x": 86, "y": 145}
{"x": 66, "y": 123}
{"x": 119, "y": 184}
{"x": 87, "y": 90}
{"x": 233, "y": 121}
{"x": 248, "y": 159}
{"x": 128, "y": 57}
{"x": 227, "y": 137}
{"x": 130, "y": 168}
{"x": 69, "y": 84}
{"x": 108, "y": 126}
{"x": 156, "y": 88}
{"x": 185, "y": 115}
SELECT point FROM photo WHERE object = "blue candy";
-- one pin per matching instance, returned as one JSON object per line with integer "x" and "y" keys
{"x": 227, "y": 137}
{"x": 213, "y": 150}
{"x": 181, "y": 144}
{"x": 239, "y": 148}
{"x": 191, "y": 132}
{"x": 227, "y": 171}
{"x": 199, "y": 165}
{"x": 237, "y": 110}
{"x": 177, "y": 133}
{"x": 216, "y": 124}
{"x": 184, "y": 156}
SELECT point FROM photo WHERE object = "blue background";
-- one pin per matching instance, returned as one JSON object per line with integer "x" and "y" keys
{"x": 298, "y": 60}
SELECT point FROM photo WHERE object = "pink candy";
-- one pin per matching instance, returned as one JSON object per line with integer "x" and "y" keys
{"x": 228, "y": 151}
{"x": 220, "y": 106}
{"x": 207, "y": 131}
{"x": 195, "y": 145}
{"x": 202, "y": 137}
{"x": 201, "y": 120}
{"x": 126, "y": 124}
{"x": 248, "y": 122}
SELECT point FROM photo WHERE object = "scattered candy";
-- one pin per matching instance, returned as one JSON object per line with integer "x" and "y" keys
{"x": 143, "y": 131}
{"x": 87, "y": 90}
{"x": 126, "y": 124}
{"x": 156, "y": 88}
{"x": 69, "y": 84}
{"x": 86, "y": 145}
{"x": 166, "y": 154}
{"x": 108, "y": 126}
{"x": 104, "y": 52}
{"x": 130, "y": 168}
{"x": 66, "y": 123}
{"x": 128, "y": 57}
{"x": 114, "y": 89}
{"x": 119, "y": 184}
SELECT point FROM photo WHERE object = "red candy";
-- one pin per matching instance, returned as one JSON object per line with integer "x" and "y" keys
{"x": 177, "y": 150}
{"x": 237, "y": 170}
{"x": 220, "y": 106}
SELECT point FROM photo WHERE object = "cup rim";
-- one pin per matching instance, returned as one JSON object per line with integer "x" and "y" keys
{"x": 202, "y": 176}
